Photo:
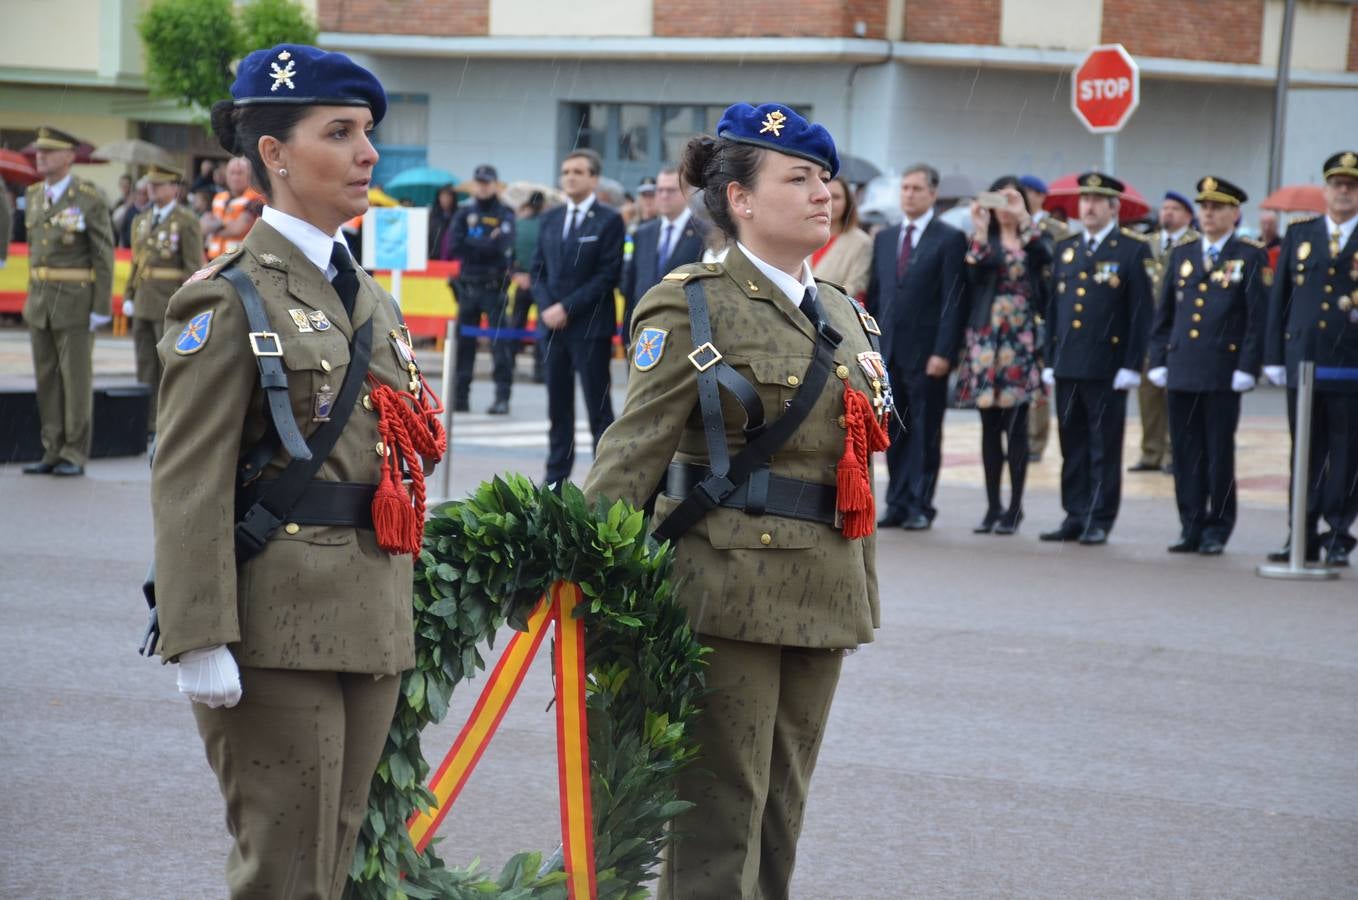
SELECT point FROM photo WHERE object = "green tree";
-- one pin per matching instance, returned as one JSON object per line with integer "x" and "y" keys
{"x": 192, "y": 44}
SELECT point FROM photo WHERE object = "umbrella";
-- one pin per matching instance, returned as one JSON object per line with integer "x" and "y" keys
{"x": 1065, "y": 196}
{"x": 84, "y": 154}
{"x": 611, "y": 191}
{"x": 17, "y": 168}
{"x": 378, "y": 197}
{"x": 135, "y": 152}
{"x": 516, "y": 194}
{"x": 1296, "y": 198}
{"x": 857, "y": 170}
{"x": 954, "y": 186}
{"x": 419, "y": 184}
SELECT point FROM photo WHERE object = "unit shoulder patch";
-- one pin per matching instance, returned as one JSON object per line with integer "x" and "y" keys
{"x": 650, "y": 347}
{"x": 195, "y": 334}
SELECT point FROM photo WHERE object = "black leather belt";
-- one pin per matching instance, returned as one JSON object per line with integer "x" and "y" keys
{"x": 323, "y": 503}
{"x": 786, "y": 497}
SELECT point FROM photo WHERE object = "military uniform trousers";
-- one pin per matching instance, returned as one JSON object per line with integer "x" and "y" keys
{"x": 1039, "y": 422}
{"x": 477, "y": 297}
{"x": 146, "y": 334}
{"x": 1332, "y": 491}
{"x": 565, "y": 359}
{"x": 63, "y": 363}
{"x": 1202, "y": 426}
{"x": 759, "y": 735}
{"x": 1090, "y": 418}
{"x": 313, "y": 736}
{"x": 916, "y": 450}
{"x": 1156, "y": 435}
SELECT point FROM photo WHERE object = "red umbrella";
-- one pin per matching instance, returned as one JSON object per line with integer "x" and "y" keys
{"x": 1296, "y": 198}
{"x": 1065, "y": 196}
{"x": 17, "y": 168}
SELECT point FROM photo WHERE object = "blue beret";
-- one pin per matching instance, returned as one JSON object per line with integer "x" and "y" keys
{"x": 1033, "y": 183}
{"x": 1180, "y": 199}
{"x": 777, "y": 127}
{"x": 306, "y": 76}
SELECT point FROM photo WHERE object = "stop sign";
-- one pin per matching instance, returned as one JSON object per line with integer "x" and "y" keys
{"x": 1105, "y": 89}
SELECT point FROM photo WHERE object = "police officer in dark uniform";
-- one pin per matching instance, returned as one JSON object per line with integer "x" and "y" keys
{"x": 1313, "y": 314}
{"x": 1096, "y": 339}
{"x": 483, "y": 242}
{"x": 1206, "y": 348}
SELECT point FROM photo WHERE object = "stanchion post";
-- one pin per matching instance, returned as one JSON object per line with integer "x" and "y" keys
{"x": 449, "y": 363}
{"x": 1296, "y": 568}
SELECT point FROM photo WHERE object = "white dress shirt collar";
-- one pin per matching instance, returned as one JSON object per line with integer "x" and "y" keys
{"x": 56, "y": 190}
{"x": 1209, "y": 245}
{"x": 159, "y": 213}
{"x": 920, "y": 224}
{"x": 792, "y": 288}
{"x": 571, "y": 209}
{"x": 677, "y": 225}
{"x": 315, "y": 244}
{"x": 1345, "y": 228}
{"x": 1107, "y": 230}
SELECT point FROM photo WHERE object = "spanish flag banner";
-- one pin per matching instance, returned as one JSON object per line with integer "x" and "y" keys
{"x": 577, "y": 822}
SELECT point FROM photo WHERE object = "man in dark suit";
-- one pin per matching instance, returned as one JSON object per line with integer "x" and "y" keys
{"x": 916, "y": 293}
{"x": 670, "y": 239}
{"x": 1206, "y": 349}
{"x": 1313, "y": 314}
{"x": 1096, "y": 340}
{"x": 575, "y": 270}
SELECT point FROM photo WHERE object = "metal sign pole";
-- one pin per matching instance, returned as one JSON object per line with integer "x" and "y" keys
{"x": 1110, "y": 153}
{"x": 449, "y": 362}
{"x": 1296, "y": 568}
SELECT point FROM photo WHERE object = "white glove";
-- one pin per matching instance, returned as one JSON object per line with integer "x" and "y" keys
{"x": 1276, "y": 374}
{"x": 1159, "y": 376}
{"x": 1242, "y": 381}
{"x": 1126, "y": 378}
{"x": 97, "y": 320}
{"x": 1049, "y": 377}
{"x": 127, "y": 309}
{"x": 210, "y": 676}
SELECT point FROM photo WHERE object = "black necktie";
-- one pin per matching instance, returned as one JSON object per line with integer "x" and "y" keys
{"x": 575, "y": 225}
{"x": 663, "y": 256}
{"x": 345, "y": 281}
{"x": 1091, "y": 246}
{"x": 808, "y": 307}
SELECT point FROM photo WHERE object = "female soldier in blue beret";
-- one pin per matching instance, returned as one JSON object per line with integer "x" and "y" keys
{"x": 757, "y": 400}
{"x": 284, "y": 523}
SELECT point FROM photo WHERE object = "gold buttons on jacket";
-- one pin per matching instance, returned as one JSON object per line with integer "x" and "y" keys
{"x": 1345, "y": 303}
{"x": 842, "y": 372}
{"x": 1199, "y": 302}
{"x": 793, "y": 380}
{"x": 1079, "y": 307}
{"x": 1193, "y": 332}
{"x": 381, "y": 449}
{"x": 1231, "y": 347}
{"x": 1084, "y": 275}
{"x": 1115, "y": 339}
{"x": 1329, "y": 289}
{"x": 325, "y": 365}
{"x": 1197, "y": 317}
{"x": 766, "y": 539}
{"x": 1076, "y": 324}
{"x": 367, "y": 401}
{"x": 1322, "y": 324}
{"x": 292, "y": 528}
{"x": 1079, "y": 292}
{"x": 1324, "y": 307}
{"x": 843, "y": 422}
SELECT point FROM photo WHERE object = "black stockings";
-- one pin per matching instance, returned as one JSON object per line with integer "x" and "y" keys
{"x": 1004, "y": 434}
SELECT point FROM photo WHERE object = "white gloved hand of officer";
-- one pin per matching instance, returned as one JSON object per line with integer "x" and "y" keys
{"x": 210, "y": 676}
{"x": 1126, "y": 378}
{"x": 1242, "y": 381}
{"x": 127, "y": 309}
{"x": 1159, "y": 376}
{"x": 1049, "y": 377}
{"x": 1276, "y": 374}
{"x": 97, "y": 320}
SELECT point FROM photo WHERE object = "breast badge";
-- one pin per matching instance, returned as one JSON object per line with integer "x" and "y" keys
{"x": 1303, "y": 250}
{"x": 195, "y": 334}
{"x": 650, "y": 347}
{"x": 1068, "y": 255}
{"x": 1185, "y": 268}
{"x": 323, "y": 403}
{"x": 318, "y": 320}
{"x": 299, "y": 318}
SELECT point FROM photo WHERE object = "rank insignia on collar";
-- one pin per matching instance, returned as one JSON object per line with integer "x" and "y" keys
{"x": 299, "y": 318}
{"x": 650, "y": 347}
{"x": 270, "y": 259}
{"x": 318, "y": 320}
{"x": 195, "y": 334}
{"x": 774, "y": 122}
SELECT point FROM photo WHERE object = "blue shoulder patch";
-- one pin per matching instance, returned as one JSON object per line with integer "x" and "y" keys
{"x": 650, "y": 347}
{"x": 194, "y": 336}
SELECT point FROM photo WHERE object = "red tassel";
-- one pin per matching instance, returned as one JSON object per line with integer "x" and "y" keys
{"x": 391, "y": 514}
{"x": 398, "y": 514}
{"x": 863, "y": 435}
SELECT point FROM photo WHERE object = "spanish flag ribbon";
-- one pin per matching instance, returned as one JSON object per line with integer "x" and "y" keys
{"x": 572, "y": 735}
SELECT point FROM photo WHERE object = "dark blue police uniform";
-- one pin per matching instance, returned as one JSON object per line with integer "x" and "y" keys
{"x": 483, "y": 242}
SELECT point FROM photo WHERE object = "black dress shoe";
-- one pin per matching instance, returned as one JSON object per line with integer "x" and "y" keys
{"x": 987, "y": 525}
{"x": 461, "y": 406}
{"x": 1063, "y": 533}
{"x": 498, "y": 408}
{"x": 1009, "y": 523}
{"x": 67, "y": 469}
{"x": 1337, "y": 556}
{"x": 1285, "y": 554}
{"x": 39, "y": 468}
{"x": 917, "y": 522}
{"x": 891, "y": 520}
{"x": 1094, "y": 536}
{"x": 1186, "y": 545}
{"x": 1212, "y": 547}
{"x": 1143, "y": 467}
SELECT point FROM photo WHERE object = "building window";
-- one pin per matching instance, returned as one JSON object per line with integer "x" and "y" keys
{"x": 403, "y": 137}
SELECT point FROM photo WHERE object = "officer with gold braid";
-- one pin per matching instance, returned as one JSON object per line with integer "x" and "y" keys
{"x": 757, "y": 398}
{"x": 70, "y": 292}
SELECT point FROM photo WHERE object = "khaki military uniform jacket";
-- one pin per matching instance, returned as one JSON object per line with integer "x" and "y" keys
{"x": 763, "y": 579}
{"x": 70, "y": 256}
{"x": 6, "y": 224}
{"x": 318, "y": 597}
{"x": 162, "y": 258}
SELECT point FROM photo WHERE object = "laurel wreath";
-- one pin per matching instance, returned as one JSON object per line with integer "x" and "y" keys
{"x": 486, "y": 561}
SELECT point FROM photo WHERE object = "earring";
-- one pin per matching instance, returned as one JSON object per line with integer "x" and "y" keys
{"x": 283, "y": 172}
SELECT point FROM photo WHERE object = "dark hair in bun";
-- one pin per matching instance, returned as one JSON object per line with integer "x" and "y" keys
{"x": 710, "y": 165}
{"x": 239, "y": 128}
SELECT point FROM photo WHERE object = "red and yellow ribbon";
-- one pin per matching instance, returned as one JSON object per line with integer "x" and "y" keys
{"x": 572, "y": 735}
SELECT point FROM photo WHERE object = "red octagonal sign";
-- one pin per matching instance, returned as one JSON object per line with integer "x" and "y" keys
{"x": 1105, "y": 88}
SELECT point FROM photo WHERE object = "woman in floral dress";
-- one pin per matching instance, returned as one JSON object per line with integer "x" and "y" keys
{"x": 1000, "y": 372}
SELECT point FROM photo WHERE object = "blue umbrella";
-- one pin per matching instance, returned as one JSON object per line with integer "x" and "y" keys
{"x": 419, "y": 185}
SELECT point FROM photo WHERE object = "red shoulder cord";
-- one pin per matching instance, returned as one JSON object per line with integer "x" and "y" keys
{"x": 863, "y": 436}
{"x": 411, "y": 429}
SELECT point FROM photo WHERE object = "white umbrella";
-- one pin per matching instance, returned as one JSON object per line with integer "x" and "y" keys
{"x": 136, "y": 152}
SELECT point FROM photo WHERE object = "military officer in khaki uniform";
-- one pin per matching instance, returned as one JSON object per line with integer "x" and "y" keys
{"x": 6, "y": 225}
{"x": 772, "y": 521}
{"x": 70, "y": 289}
{"x": 292, "y": 642}
{"x": 167, "y": 247}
